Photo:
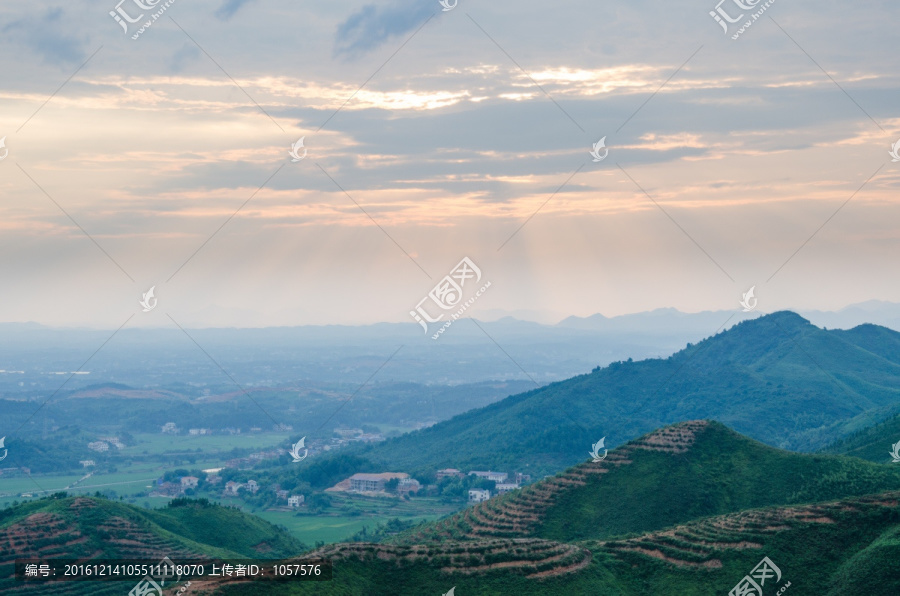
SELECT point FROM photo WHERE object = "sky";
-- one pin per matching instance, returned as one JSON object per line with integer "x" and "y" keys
{"x": 434, "y": 135}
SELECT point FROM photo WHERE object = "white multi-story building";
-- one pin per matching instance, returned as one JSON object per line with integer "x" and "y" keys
{"x": 408, "y": 485}
{"x": 495, "y": 476}
{"x": 478, "y": 495}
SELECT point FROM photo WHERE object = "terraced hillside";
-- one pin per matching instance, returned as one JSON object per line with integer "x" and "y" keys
{"x": 801, "y": 539}
{"x": 836, "y": 548}
{"x": 530, "y": 557}
{"x": 92, "y": 528}
{"x": 678, "y": 473}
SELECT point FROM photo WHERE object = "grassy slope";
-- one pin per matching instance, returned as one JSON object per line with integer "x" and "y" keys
{"x": 213, "y": 530}
{"x": 245, "y": 534}
{"x": 873, "y": 443}
{"x": 830, "y": 550}
{"x": 722, "y": 472}
{"x": 80, "y": 527}
{"x": 766, "y": 378}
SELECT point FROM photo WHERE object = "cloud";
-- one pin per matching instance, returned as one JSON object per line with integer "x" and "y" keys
{"x": 180, "y": 59}
{"x": 48, "y": 36}
{"x": 372, "y": 25}
{"x": 229, "y": 8}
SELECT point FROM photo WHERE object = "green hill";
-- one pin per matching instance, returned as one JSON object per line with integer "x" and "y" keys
{"x": 828, "y": 549}
{"x": 226, "y": 528}
{"x": 687, "y": 510}
{"x": 84, "y": 527}
{"x": 649, "y": 519}
{"x": 673, "y": 475}
{"x": 873, "y": 443}
{"x": 777, "y": 378}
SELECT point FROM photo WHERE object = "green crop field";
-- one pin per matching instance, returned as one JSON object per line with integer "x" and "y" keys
{"x": 11, "y": 488}
{"x": 159, "y": 444}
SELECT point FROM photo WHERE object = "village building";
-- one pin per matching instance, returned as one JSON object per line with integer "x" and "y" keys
{"x": 408, "y": 485}
{"x": 189, "y": 481}
{"x": 494, "y": 476}
{"x": 114, "y": 441}
{"x": 346, "y": 433}
{"x": 449, "y": 473}
{"x": 477, "y": 495}
{"x": 166, "y": 489}
{"x": 239, "y": 463}
{"x": 369, "y": 438}
{"x": 296, "y": 500}
{"x": 373, "y": 482}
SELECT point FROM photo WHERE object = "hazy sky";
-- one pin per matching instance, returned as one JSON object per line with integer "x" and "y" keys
{"x": 467, "y": 123}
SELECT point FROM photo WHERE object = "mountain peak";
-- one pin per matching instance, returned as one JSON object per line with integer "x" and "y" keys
{"x": 675, "y": 438}
{"x": 786, "y": 317}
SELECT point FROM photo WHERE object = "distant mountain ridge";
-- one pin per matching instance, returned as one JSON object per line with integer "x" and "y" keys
{"x": 879, "y": 312}
{"x": 776, "y": 378}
